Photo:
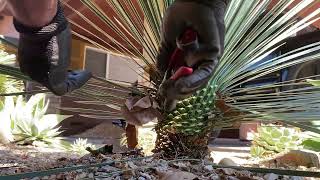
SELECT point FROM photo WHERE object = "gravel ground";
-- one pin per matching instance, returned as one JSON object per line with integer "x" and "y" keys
{"x": 20, "y": 159}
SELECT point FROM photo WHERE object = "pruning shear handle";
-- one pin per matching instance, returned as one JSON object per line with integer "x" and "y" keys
{"x": 187, "y": 42}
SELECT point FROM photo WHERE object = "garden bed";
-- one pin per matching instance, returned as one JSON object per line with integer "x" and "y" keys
{"x": 24, "y": 159}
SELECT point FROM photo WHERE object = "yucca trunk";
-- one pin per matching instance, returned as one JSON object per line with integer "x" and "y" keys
{"x": 173, "y": 145}
{"x": 187, "y": 130}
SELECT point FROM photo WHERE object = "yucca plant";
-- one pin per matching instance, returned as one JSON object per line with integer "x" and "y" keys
{"x": 254, "y": 31}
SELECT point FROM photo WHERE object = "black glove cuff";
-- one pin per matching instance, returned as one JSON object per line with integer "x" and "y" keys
{"x": 57, "y": 25}
{"x": 209, "y": 3}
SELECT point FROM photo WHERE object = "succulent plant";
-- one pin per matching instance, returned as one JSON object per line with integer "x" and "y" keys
{"x": 80, "y": 145}
{"x": 29, "y": 122}
{"x": 270, "y": 140}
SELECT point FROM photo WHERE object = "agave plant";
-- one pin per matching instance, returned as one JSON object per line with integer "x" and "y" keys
{"x": 29, "y": 123}
{"x": 254, "y": 31}
{"x": 80, "y": 145}
{"x": 8, "y": 84}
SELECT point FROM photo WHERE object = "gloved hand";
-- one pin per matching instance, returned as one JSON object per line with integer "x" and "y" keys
{"x": 44, "y": 55}
{"x": 206, "y": 18}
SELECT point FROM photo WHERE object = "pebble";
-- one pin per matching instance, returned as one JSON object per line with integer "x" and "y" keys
{"x": 146, "y": 176}
{"x": 214, "y": 177}
{"x": 132, "y": 165}
{"x": 53, "y": 176}
{"x": 108, "y": 169}
{"x": 228, "y": 171}
{"x": 227, "y": 162}
{"x": 208, "y": 168}
{"x": 119, "y": 164}
{"x": 90, "y": 175}
{"x": 81, "y": 176}
{"x": 232, "y": 178}
{"x": 257, "y": 178}
{"x": 141, "y": 178}
{"x": 296, "y": 178}
{"x": 271, "y": 176}
{"x": 60, "y": 176}
{"x": 128, "y": 174}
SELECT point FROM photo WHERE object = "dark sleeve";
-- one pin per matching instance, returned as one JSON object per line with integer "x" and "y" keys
{"x": 165, "y": 50}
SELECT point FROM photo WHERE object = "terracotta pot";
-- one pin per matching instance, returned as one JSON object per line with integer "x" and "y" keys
{"x": 247, "y": 130}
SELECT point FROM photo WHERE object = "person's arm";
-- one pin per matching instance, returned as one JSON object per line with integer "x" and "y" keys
{"x": 33, "y": 13}
{"x": 44, "y": 45}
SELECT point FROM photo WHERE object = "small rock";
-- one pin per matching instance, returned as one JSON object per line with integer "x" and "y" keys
{"x": 108, "y": 169}
{"x": 161, "y": 169}
{"x": 182, "y": 166}
{"x": 90, "y": 175}
{"x": 119, "y": 165}
{"x": 53, "y": 177}
{"x": 297, "y": 158}
{"x": 141, "y": 178}
{"x": 128, "y": 174}
{"x": 243, "y": 174}
{"x": 45, "y": 177}
{"x": 35, "y": 178}
{"x": 228, "y": 171}
{"x": 146, "y": 176}
{"x": 116, "y": 156}
{"x": 208, "y": 168}
{"x": 257, "y": 178}
{"x": 81, "y": 176}
{"x": 132, "y": 165}
{"x": 296, "y": 178}
{"x": 176, "y": 175}
{"x": 271, "y": 176}
{"x": 232, "y": 178}
{"x": 149, "y": 160}
{"x": 227, "y": 162}
{"x": 214, "y": 177}
{"x": 60, "y": 176}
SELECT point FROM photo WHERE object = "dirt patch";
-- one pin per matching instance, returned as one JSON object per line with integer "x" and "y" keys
{"x": 19, "y": 159}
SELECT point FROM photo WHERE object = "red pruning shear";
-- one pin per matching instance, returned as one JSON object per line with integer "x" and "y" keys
{"x": 187, "y": 42}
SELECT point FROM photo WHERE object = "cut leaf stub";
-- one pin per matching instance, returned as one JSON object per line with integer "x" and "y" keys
{"x": 139, "y": 111}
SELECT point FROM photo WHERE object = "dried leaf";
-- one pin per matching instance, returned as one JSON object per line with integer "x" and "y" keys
{"x": 136, "y": 103}
{"x": 140, "y": 111}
